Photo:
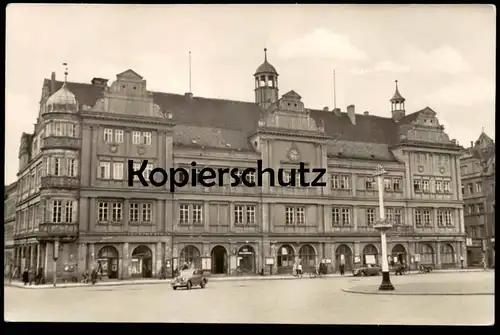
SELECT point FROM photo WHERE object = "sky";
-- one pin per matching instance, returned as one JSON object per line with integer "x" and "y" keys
{"x": 443, "y": 56}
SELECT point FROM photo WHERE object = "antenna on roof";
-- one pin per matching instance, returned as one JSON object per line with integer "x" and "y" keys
{"x": 65, "y": 71}
{"x": 190, "y": 72}
{"x": 334, "y": 92}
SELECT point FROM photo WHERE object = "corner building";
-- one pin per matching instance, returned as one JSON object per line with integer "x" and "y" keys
{"x": 73, "y": 187}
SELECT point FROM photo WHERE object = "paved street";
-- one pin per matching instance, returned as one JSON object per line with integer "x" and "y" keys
{"x": 305, "y": 300}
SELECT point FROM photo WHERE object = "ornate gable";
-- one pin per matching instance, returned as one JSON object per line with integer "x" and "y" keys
{"x": 129, "y": 75}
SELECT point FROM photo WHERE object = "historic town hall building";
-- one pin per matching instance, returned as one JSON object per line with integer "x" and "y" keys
{"x": 73, "y": 193}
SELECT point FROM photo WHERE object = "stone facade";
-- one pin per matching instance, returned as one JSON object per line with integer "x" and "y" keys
{"x": 73, "y": 182}
{"x": 478, "y": 189}
{"x": 9, "y": 217}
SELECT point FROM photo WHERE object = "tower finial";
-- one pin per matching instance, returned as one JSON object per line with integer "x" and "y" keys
{"x": 65, "y": 72}
{"x": 396, "y": 81}
{"x": 265, "y": 54}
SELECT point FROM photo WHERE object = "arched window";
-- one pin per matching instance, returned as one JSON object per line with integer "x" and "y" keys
{"x": 286, "y": 256}
{"x": 190, "y": 254}
{"x": 447, "y": 254}
{"x": 307, "y": 256}
{"x": 370, "y": 254}
{"x": 426, "y": 254}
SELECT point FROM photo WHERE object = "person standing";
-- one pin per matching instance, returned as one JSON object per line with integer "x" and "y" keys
{"x": 461, "y": 261}
{"x": 342, "y": 268}
{"x": 26, "y": 276}
{"x": 93, "y": 276}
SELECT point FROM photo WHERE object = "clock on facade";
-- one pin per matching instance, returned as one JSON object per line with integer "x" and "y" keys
{"x": 293, "y": 154}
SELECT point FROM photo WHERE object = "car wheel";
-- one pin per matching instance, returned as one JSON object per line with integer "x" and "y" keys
{"x": 175, "y": 288}
{"x": 362, "y": 274}
{"x": 202, "y": 284}
{"x": 189, "y": 285}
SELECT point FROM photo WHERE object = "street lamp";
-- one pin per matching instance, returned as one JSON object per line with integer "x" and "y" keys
{"x": 55, "y": 257}
{"x": 383, "y": 226}
{"x": 483, "y": 155}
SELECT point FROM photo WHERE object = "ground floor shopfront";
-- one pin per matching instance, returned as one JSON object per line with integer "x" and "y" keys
{"x": 121, "y": 257}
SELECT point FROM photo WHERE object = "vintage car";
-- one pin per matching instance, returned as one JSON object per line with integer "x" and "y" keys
{"x": 189, "y": 278}
{"x": 367, "y": 270}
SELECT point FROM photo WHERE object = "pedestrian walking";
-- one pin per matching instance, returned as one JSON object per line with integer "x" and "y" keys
{"x": 299, "y": 269}
{"x": 93, "y": 276}
{"x": 31, "y": 276}
{"x": 462, "y": 262}
{"x": 26, "y": 276}
{"x": 342, "y": 268}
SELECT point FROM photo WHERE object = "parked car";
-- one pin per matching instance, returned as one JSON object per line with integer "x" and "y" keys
{"x": 189, "y": 278}
{"x": 367, "y": 270}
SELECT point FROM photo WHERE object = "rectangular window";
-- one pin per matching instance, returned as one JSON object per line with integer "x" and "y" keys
{"x": 136, "y": 137}
{"x": 58, "y": 129}
{"x": 116, "y": 213}
{"x": 439, "y": 186}
{"x": 71, "y": 167}
{"x": 71, "y": 130}
{"x": 416, "y": 185}
{"x": 425, "y": 185}
{"x": 369, "y": 183}
{"x": 57, "y": 211}
{"x": 250, "y": 211}
{"x": 479, "y": 187}
{"x": 370, "y": 216}
{"x": 396, "y": 184}
{"x": 346, "y": 216}
{"x": 184, "y": 213}
{"x": 463, "y": 190}
{"x": 104, "y": 169}
{"x": 197, "y": 214}
{"x": 334, "y": 181}
{"x": 470, "y": 188}
{"x": 238, "y": 214}
{"x": 119, "y": 136}
{"x": 250, "y": 176}
{"x": 146, "y": 138}
{"x": 480, "y": 208}
{"x": 57, "y": 166}
{"x": 289, "y": 215}
{"x": 118, "y": 171}
{"x": 108, "y": 135}
{"x": 389, "y": 215}
{"x": 301, "y": 215}
{"x": 336, "y": 216}
{"x": 344, "y": 182}
{"x": 398, "y": 216}
{"x": 418, "y": 217}
{"x": 427, "y": 217}
{"x": 446, "y": 186}
{"x": 147, "y": 213}
{"x": 387, "y": 185}
{"x": 147, "y": 171}
{"x": 137, "y": 166}
{"x": 134, "y": 212}
{"x": 103, "y": 212}
{"x": 68, "y": 215}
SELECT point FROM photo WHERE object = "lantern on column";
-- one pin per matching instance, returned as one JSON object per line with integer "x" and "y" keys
{"x": 56, "y": 250}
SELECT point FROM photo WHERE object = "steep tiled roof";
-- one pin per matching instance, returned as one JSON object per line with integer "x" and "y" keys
{"x": 409, "y": 118}
{"x": 228, "y": 124}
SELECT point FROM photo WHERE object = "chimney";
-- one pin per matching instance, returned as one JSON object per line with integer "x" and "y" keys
{"x": 471, "y": 144}
{"x": 100, "y": 82}
{"x": 366, "y": 113}
{"x": 188, "y": 95}
{"x": 325, "y": 108}
{"x": 336, "y": 111}
{"x": 351, "y": 114}
{"x": 52, "y": 83}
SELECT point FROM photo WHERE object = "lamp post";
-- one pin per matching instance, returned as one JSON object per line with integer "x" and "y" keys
{"x": 483, "y": 155}
{"x": 55, "y": 258}
{"x": 383, "y": 226}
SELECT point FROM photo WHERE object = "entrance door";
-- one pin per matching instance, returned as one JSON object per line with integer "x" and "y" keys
{"x": 246, "y": 256}
{"x": 219, "y": 260}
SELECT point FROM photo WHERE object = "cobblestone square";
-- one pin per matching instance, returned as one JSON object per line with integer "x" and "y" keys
{"x": 316, "y": 301}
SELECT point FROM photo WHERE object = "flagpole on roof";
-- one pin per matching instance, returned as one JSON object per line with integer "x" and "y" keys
{"x": 334, "y": 91}
{"x": 190, "y": 91}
